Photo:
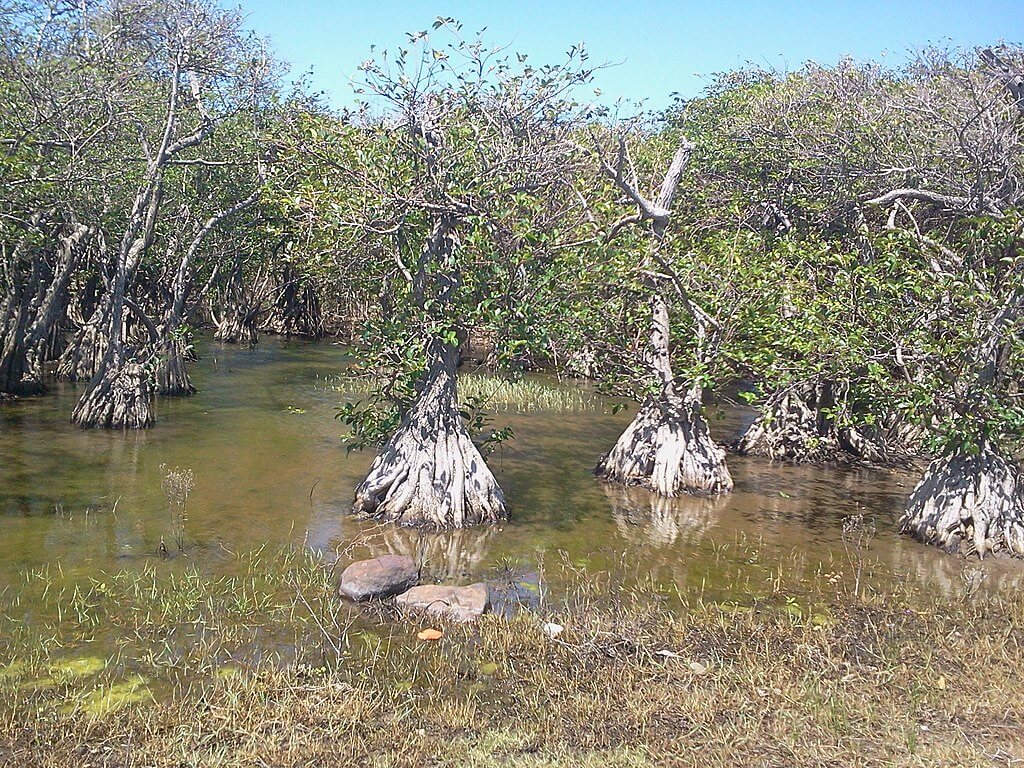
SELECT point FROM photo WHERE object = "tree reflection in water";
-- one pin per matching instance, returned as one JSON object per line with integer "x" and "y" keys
{"x": 646, "y": 518}
{"x": 444, "y": 556}
{"x": 951, "y": 576}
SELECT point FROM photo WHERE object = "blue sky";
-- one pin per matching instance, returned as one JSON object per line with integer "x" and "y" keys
{"x": 659, "y": 46}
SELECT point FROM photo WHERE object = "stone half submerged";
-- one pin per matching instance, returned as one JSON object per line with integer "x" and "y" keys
{"x": 398, "y": 576}
{"x": 455, "y": 603}
{"x": 379, "y": 577}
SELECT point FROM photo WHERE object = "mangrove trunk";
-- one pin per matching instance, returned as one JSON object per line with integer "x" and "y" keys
{"x": 667, "y": 448}
{"x": 117, "y": 398}
{"x": 430, "y": 474}
{"x": 238, "y": 325}
{"x": 805, "y": 423}
{"x": 171, "y": 375}
{"x": 969, "y": 503}
{"x": 296, "y": 310}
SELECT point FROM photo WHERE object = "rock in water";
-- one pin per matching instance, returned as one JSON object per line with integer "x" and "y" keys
{"x": 378, "y": 577}
{"x": 457, "y": 603}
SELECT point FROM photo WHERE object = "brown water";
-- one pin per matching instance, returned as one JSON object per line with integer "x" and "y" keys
{"x": 270, "y": 468}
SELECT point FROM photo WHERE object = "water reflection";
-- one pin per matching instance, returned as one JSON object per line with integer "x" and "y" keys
{"x": 955, "y": 578}
{"x": 444, "y": 556}
{"x": 646, "y": 518}
{"x": 270, "y": 469}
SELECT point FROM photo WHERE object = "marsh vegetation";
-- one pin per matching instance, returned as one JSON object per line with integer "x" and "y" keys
{"x": 729, "y": 391}
{"x": 641, "y": 675}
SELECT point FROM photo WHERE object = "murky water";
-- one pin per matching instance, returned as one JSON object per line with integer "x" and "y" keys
{"x": 269, "y": 467}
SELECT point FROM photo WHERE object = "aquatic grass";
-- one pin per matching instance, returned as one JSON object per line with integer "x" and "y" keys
{"x": 874, "y": 674}
{"x": 528, "y": 395}
{"x": 523, "y": 395}
{"x": 175, "y": 623}
{"x": 177, "y": 484}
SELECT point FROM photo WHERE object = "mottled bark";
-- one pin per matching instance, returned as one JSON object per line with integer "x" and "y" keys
{"x": 172, "y": 351}
{"x": 171, "y": 371}
{"x": 238, "y": 319}
{"x": 969, "y": 503}
{"x": 296, "y": 309}
{"x": 237, "y": 325}
{"x": 52, "y": 304}
{"x": 24, "y": 277}
{"x": 667, "y": 448}
{"x": 118, "y": 395}
{"x": 117, "y": 398}
{"x": 810, "y": 422}
{"x": 81, "y": 359}
{"x": 430, "y": 474}
{"x": 15, "y": 375}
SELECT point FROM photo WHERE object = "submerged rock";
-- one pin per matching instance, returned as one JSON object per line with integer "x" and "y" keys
{"x": 457, "y": 603}
{"x": 516, "y": 592}
{"x": 378, "y": 577}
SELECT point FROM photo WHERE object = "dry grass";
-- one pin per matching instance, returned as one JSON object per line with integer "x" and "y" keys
{"x": 639, "y": 677}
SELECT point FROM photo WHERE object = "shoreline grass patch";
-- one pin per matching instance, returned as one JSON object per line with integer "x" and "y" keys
{"x": 273, "y": 669}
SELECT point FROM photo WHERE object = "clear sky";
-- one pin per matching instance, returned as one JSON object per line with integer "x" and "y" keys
{"x": 659, "y": 46}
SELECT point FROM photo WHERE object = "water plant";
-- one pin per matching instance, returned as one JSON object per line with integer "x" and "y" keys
{"x": 177, "y": 484}
{"x": 498, "y": 393}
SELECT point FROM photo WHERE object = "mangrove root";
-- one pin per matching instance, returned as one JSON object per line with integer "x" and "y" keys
{"x": 668, "y": 449}
{"x": 430, "y": 474}
{"x": 968, "y": 503}
{"x": 116, "y": 398}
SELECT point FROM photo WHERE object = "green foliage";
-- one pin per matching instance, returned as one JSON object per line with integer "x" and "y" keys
{"x": 895, "y": 300}
{"x": 856, "y": 224}
{"x": 370, "y": 423}
{"x": 480, "y": 423}
{"x": 456, "y": 136}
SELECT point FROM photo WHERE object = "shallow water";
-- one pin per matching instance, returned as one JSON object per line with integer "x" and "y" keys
{"x": 270, "y": 468}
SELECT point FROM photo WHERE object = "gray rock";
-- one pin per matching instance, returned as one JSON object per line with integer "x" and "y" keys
{"x": 378, "y": 577}
{"x": 456, "y": 603}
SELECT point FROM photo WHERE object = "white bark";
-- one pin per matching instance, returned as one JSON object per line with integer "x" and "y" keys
{"x": 430, "y": 474}
{"x": 84, "y": 354}
{"x": 116, "y": 398}
{"x": 970, "y": 504}
{"x": 807, "y": 423}
{"x": 668, "y": 449}
{"x": 238, "y": 326}
{"x": 172, "y": 379}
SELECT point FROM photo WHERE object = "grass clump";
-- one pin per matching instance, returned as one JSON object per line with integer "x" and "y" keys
{"x": 529, "y": 395}
{"x": 523, "y": 395}
{"x": 641, "y": 675}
